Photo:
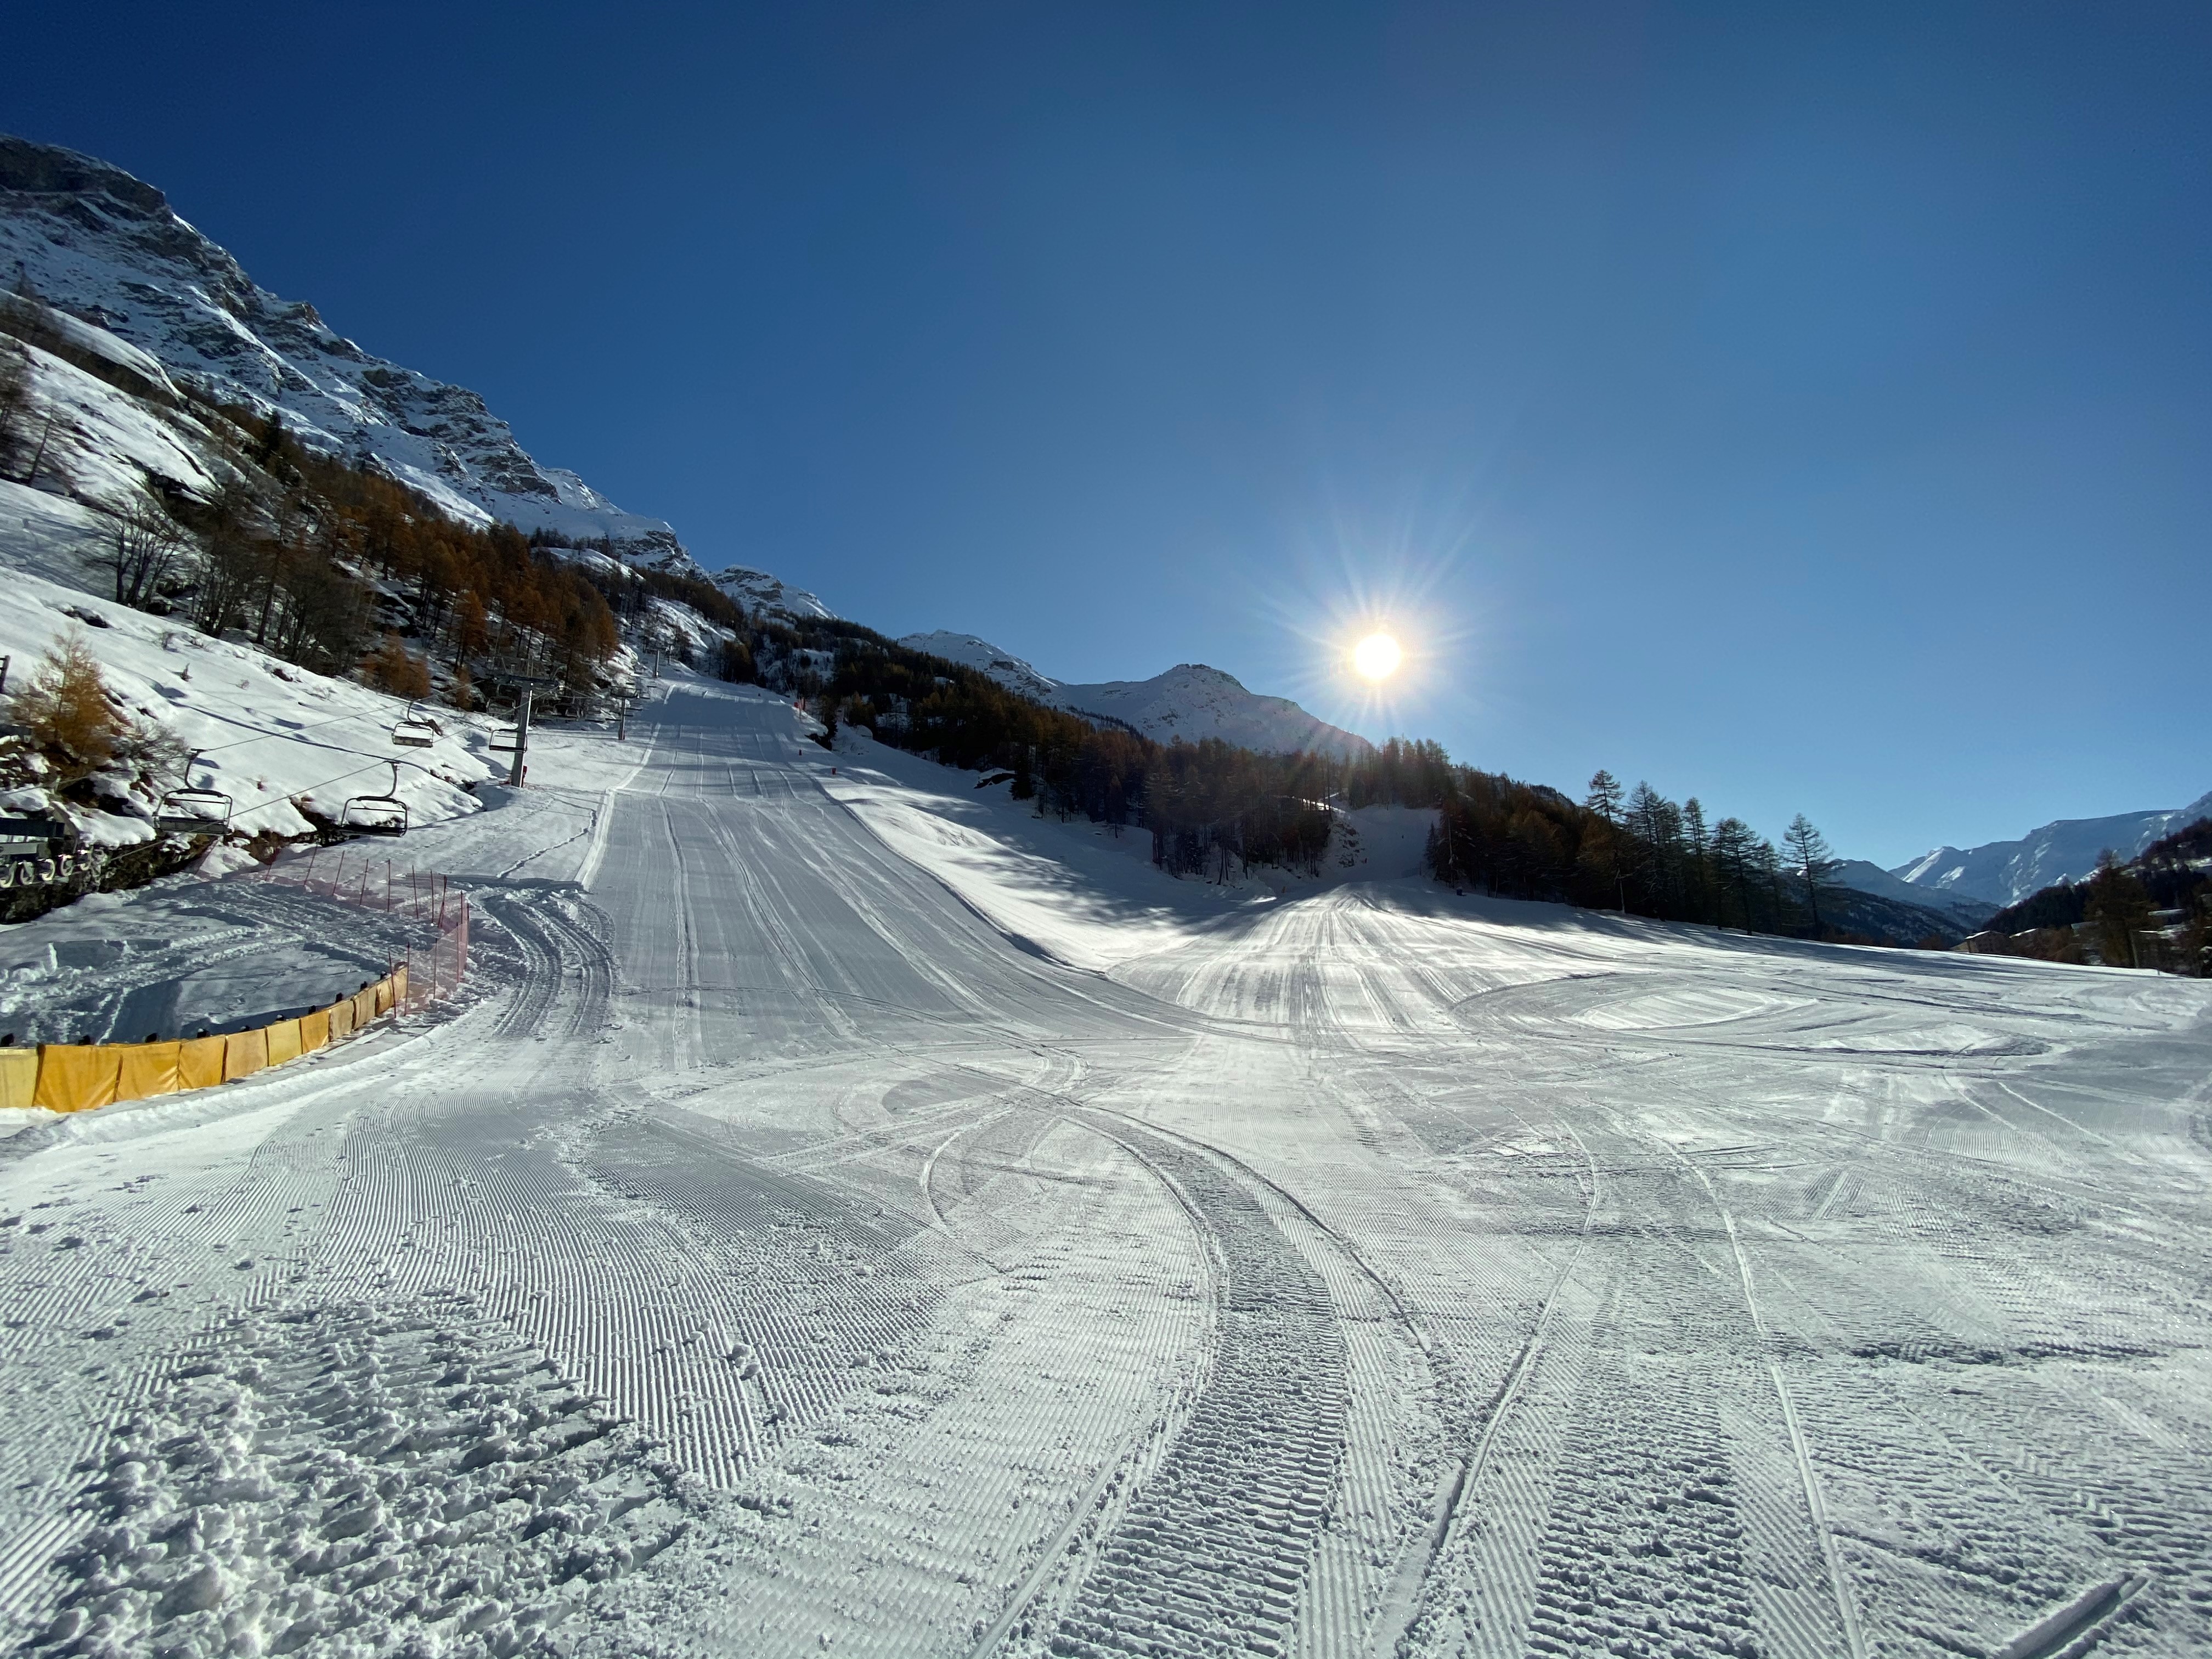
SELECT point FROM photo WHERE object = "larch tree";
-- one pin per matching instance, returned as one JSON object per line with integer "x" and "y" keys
{"x": 1809, "y": 857}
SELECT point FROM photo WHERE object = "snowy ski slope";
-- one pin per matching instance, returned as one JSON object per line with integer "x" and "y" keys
{"x": 837, "y": 1225}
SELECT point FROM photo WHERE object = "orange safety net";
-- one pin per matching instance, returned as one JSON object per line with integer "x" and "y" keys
{"x": 19, "y": 1077}
{"x": 341, "y": 1015}
{"x": 314, "y": 1030}
{"x": 399, "y": 984}
{"x": 199, "y": 1062}
{"x": 383, "y": 989}
{"x": 148, "y": 1069}
{"x": 364, "y": 1007}
{"x": 76, "y": 1076}
{"x": 245, "y": 1052}
{"x": 284, "y": 1041}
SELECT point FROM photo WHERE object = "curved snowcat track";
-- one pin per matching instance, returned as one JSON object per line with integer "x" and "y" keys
{"x": 1210, "y": 1554}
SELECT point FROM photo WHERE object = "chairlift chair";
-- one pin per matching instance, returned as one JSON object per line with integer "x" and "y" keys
{"x": 415, "y": 731}
{"x": 189, "y": 811}
{"x": 377, "y": 815}
{"x": 504, "y": 740}
{"x": 23, "y": 841}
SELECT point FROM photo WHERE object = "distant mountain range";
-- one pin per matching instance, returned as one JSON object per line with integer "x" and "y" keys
{"x": 2003, "y": 873}
{"x": 1189, "y": 700}
{"x": 1959, "y": 910}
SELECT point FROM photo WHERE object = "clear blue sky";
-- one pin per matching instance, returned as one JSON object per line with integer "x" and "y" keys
{"x": 1808, "y": 408}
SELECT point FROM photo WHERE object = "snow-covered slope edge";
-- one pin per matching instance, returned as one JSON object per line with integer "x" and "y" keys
{"x": 2006, "y": 872}
{"x": 1190, "y": 700}
{"x": 91, "y": 238}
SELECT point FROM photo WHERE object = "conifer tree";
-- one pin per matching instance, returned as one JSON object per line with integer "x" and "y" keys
{"x": 1698, "y": 846}
{"x": 2119, "y": 910}
{"x": 1604, "y": 797}
{"x": 1810, "y": 860}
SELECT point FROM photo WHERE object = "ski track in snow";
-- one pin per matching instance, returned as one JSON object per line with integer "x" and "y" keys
{"x": 769, "y": 1255}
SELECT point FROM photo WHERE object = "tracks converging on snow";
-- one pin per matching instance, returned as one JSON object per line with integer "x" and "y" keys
{"x": 772, "y": 1254}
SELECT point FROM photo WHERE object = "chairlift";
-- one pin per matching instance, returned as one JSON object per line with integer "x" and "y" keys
{"x": 415, "y": 731}
{"x": 505, "y": 739}
{"x": 26, "y": 848}
{"x": 189, "y": 811}
{"x": 377, "y": 815}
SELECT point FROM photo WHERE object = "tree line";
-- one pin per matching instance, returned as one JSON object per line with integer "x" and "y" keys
{"x": 1212, "y": 807}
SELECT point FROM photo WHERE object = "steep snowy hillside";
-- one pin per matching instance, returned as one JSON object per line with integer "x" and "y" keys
{"x": 1003, "y": 666}
{"x": 757, "y": 590}
{"x": 2006, "y": 872}
{"x": 91, "y": 238}
{"x": 1190, "y": 702}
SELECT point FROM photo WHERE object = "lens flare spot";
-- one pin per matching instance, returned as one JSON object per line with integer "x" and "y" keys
{"x": 1377, "y": 656}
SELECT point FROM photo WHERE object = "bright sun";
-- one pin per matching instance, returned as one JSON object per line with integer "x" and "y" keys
{"x": 1377, "y": 656}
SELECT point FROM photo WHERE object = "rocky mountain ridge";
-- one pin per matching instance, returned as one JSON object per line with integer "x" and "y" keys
{"x": 90, "y": 239}
{"x": 2003, "y": 873}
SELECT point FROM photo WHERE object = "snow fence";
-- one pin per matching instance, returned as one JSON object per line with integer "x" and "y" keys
{"x": 75, "y": 1077}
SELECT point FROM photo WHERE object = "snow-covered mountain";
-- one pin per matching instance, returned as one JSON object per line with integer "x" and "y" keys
{"x": 1003, "y": 666}
{"x": 1189, "y": 700}
{"x": 2006, "y": 872}
{"x": 90, "y": 239}
{"x": 1961, "y": 908}
{"x": 757, "y": 590}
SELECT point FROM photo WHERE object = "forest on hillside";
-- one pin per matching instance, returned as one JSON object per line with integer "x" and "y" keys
{"x": 325, "y": 562}
{"x": 321, "y": 562}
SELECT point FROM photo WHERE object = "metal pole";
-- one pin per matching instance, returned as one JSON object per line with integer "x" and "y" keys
{"x": 521, "y": 740}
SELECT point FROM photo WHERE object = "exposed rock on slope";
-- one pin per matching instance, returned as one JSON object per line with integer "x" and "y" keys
{"x": 91, "y": 238}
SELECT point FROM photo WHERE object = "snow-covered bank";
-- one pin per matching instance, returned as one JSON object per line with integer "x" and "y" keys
{"x": 267, "y": 734}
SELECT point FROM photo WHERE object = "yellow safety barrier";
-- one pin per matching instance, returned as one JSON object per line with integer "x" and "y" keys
{"x": 245, "y": 1052}
{"x": 75, "y": 1077}
{"x": 148, "y": 1069}
{"x": 19, "y": 1076}
{"x": 199, "y": 1064}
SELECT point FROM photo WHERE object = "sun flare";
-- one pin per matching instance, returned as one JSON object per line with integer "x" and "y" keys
{"x": 1377, "y": 656}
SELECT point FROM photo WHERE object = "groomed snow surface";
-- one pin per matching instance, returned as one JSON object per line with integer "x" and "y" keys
{"x": 849, "y": 1215}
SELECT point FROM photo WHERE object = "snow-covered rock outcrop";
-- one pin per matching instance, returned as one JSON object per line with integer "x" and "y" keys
{"x": 93, "y": 240}
{"x": 2006, "y": 872}
{"x": 758, "y": 591}
{"x": 1003, "y": 666}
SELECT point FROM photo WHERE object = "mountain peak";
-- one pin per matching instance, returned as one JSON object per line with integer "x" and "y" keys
{"x": 1191, "y": 701}
{"x": 106, "y": 247}
{"x": 49, "y": 169}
